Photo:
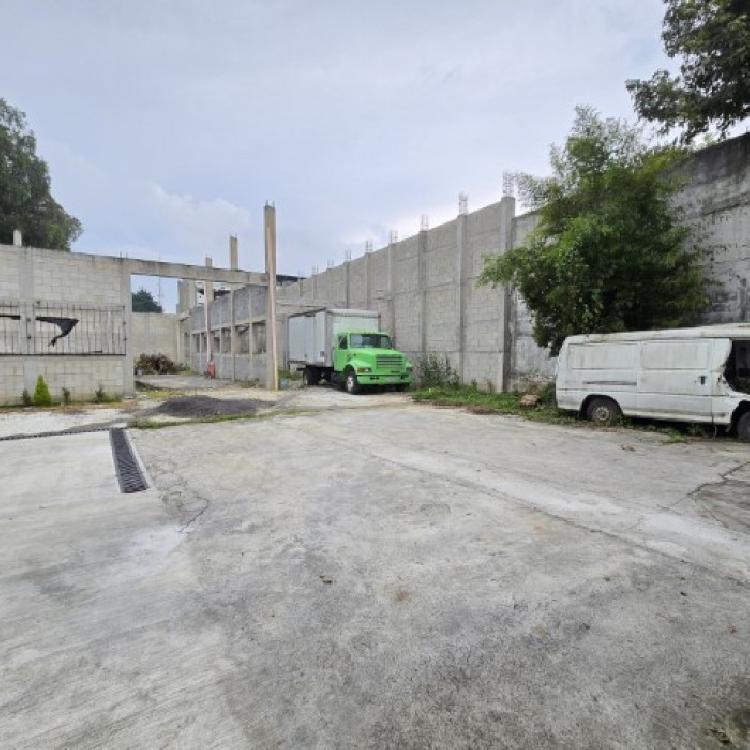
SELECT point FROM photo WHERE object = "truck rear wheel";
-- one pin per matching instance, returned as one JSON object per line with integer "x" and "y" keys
{"x": 603, "y": 411}
{"x": 743, "y": 427}
{"x": 351, "y": 384}
{"x": 310, "y": 376}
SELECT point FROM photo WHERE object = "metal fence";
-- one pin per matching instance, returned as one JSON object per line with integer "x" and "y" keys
{"x": 49, "y": 328}
{"x": 10, "y": 328}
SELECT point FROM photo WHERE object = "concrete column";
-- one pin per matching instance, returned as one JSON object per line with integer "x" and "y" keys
{"x": 461, "y": 275}
{"x": 390, "y": 288}
{"x": 17, "y": 238}
{"x": 368, "y": 277}
{"x": 26, "y": 311}
{"x": 128, "y": 376}
{"x": 208, "y": 295}
{"x": 422, "y": 287}
{"x": 233, "y": 338}
{"x": 506, "y": 344}
{"x": 233, "y": 253}
{"x": 347, "y": 279}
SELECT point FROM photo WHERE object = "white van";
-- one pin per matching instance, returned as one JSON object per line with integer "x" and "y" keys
{"x": 684, "y": 375}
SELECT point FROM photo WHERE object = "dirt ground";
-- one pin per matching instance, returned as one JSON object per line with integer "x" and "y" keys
{"x": 366, "y": 572}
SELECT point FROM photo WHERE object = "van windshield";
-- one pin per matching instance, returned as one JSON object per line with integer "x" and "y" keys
{"x": 370, "y": 341}
{"x": 737, "y": 369}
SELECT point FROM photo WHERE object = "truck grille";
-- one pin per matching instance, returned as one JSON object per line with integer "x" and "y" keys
{"x": 389, "y": 361}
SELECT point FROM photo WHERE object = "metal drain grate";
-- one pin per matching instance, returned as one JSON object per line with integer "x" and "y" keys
{"x": 129, "y": 473}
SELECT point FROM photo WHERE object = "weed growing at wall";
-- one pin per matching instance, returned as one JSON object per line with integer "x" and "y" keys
{"x": 26, "y": 399}
{"x": 435, "y": 370}
{"x": 102, "y": 397}
{"x": 66, "y": 396}
{"x": 41, "y": 393}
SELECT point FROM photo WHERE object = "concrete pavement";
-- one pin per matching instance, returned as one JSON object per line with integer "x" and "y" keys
{"x": 394, "y": 576}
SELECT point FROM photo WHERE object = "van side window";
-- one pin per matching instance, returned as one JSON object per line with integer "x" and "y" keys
{"x": 342, "y": 343}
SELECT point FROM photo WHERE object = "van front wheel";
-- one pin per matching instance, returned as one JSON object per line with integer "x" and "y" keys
{"x": 743, "y": 427}
{"x": 603, "y": 411}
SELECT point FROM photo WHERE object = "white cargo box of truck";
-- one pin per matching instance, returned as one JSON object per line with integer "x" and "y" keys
{"x": 312, "y": 334}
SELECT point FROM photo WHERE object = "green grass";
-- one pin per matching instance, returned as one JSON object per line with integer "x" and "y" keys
{"x": 479, "y": 402}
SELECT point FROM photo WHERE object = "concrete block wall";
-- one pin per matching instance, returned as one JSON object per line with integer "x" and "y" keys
{"x": 155, "y": 333}
{"x": 715, "y": 198}
{"x": 33, "y": 276}
{"x": 425, "y": 287}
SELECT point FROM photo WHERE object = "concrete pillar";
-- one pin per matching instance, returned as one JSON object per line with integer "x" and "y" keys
{"x": 17, "y": 238}
{"x": 390, "y": 288}
{"x": 126, "y": 299}
{"x": 26, "y": 311}
{"x": 506, "y": 343}
{"x": 208, "y": 296}
{"x": 422, "y": 287}
{"x": 368, "y": 277}
{"x": 461, "y": 272}
{"x": 233, "y": 338}
{"x": 233, "y": 253}
{"x": 347, "y": 279}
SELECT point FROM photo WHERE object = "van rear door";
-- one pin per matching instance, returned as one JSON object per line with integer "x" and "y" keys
{"x": 674, "y": 381}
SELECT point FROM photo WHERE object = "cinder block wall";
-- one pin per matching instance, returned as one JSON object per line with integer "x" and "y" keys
{"x": 34, "y": 275}
{"x": 425, "y": 287}
{"x": 155, "y": 333}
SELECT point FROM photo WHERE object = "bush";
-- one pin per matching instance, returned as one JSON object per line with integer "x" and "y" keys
{"x": 26, "y": 399}
{"x": 155, "y": 364}
{"x": 41, "y": 393}
{"x": 102, "y": 397}
{"x": 435, "y": 370}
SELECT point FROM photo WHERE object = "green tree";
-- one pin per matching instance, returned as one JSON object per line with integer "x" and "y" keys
{"x": 25, "y": 199}
{"x": 143, "y": 301}
{"x": 608, "y": 253}
{"x": 713, "y": 88}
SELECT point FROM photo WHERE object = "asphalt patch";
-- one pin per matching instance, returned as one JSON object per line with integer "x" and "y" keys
{"x": 206, "y": 406}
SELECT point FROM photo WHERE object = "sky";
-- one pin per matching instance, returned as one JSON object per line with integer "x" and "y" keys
{"x": 168, "y": 125}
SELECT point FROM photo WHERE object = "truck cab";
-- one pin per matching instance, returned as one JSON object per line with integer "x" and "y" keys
{"x": 363, "y": 358}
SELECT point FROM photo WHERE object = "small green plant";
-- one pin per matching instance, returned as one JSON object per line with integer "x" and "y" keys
{"x": 436, "y": 371}
{"x": 41, "y": 393}
{"x": 101, "y": 396}
{"x": 66, "y": 396}
{"x": 25, "y": 398}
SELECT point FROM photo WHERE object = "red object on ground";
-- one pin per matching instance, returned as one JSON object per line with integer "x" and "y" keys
{"x": 211, "y": 370}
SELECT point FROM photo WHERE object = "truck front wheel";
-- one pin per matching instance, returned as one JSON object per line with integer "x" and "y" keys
{"x": 351, "y": 383}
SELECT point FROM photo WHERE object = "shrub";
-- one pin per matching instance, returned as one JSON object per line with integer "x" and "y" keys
{"x": 155, "y": 364}
{"x": 26, "y": 399}
{"x": 435, "y": 370}
{"x": 41, "y": 393}
{"x": 101, "y": 396}
{"x": 66, "y": 396}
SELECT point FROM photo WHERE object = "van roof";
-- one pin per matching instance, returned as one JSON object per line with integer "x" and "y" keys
{"x": 722, "y": 331}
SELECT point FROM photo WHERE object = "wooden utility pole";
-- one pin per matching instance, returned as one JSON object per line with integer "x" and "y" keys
{"x": 272, "y": 354}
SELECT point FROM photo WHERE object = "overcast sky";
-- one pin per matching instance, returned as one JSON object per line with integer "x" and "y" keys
{"x": 167, "y": 125}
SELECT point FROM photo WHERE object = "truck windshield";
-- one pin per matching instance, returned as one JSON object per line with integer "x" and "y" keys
{"x": 369, "y": 341}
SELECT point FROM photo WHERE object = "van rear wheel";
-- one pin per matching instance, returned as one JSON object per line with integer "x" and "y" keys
{"x": 743, "y": 427}
{"x": 603, "y": 411}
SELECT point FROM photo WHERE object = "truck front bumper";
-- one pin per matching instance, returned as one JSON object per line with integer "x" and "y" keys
{"x": 374, "y": 378}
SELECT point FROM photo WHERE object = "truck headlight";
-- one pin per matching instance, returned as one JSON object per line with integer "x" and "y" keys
{"x": 363, "y": 369}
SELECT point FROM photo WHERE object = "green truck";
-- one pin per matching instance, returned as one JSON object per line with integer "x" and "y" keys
{"x": 345, "y": 347}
